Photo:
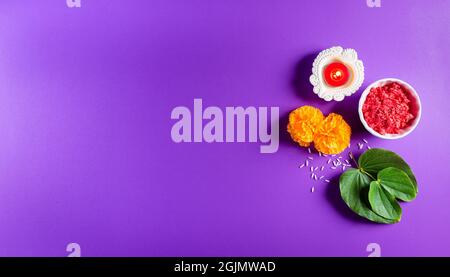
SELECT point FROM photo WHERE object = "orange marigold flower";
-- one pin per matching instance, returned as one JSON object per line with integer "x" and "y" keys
{"x": 303, "y": 123}
{"x": 333, "y": 135}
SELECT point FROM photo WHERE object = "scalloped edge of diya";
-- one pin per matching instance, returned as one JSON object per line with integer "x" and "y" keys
{"x": 354, "y": 74}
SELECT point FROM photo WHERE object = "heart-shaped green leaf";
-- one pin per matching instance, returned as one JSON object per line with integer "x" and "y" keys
{"x": 375, "y": 160}
{"x": 354, "y": 186}
{"x": 383, "y": 203}
{"x": 397, "y": 183}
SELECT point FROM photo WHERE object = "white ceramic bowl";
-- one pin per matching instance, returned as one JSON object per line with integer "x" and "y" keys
{"x": 416, "y": 108}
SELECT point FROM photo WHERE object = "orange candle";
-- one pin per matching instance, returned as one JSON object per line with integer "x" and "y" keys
{"x": 336, "y": 74}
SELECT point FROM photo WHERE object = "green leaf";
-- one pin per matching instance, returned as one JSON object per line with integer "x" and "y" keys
{"x": 383, "y": 203}
{"x": 375, "y": 160}
{"x": 397, "y": 183}
{"x": 354, "y": 186}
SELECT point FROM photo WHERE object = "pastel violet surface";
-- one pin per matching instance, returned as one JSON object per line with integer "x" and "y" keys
{"x": 86, "y": 154}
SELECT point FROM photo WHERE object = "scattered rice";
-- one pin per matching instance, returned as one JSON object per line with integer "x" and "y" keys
{"x": 327, "y": 180}
{"x": 312, "y": 189}
{"x": 311, "y": 158}
{"x": 309, "y": 150}
{"x": 322, "y": 168}
{"x": 302, "y": 165}
{"x": 365, "y": 141}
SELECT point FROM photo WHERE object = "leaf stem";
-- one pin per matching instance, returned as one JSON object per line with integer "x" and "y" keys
{"x": 360, "y": 168}
{"x": 368, "y": 174}
{"x": 353, "y": 159}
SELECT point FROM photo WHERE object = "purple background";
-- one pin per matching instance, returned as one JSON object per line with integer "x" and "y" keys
{"x": 86, "y": 154}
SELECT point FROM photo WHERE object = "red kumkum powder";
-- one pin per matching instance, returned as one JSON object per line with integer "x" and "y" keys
{"x": 387, "y": 109}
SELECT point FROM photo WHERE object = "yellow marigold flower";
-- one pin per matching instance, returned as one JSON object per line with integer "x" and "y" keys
{"x": 303, "y": 123}
{"x": 333, "y": 135}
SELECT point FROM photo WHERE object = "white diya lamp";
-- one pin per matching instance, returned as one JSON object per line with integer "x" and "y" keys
{"x": 337, "y": 73}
